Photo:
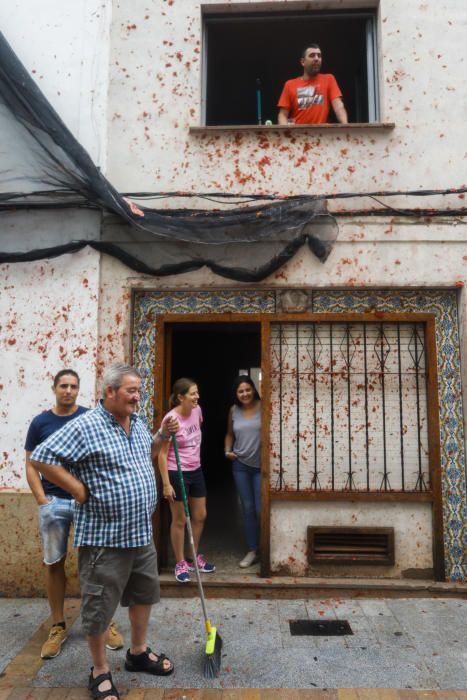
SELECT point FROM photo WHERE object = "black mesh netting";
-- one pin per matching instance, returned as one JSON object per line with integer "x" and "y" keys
{"x": 44, "y": 167}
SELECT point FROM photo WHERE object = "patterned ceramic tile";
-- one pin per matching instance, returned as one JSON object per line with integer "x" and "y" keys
{"x": 148, "y": 305}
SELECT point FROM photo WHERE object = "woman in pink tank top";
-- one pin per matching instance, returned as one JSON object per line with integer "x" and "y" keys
{"x": 184, "y": 406}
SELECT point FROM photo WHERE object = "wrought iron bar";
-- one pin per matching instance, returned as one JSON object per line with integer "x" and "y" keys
{"x": 367, "y": 433}
{"x": 297, "y": 389}
{"x": 315, "y": 480}
{"x": 401, "y": 412}
{"x": 350, "y": 482}
{"x": 331, "y": 367}
{"x": 385, "y": 479}
{"x": 281, "y": 469}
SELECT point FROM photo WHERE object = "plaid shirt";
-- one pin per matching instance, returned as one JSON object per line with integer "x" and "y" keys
{"x": 118, "y": 471}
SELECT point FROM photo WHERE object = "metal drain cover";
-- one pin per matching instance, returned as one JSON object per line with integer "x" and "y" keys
{"x": 319, "y": 628}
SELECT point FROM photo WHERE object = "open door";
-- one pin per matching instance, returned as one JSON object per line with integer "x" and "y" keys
{"x": 212, "y": 351}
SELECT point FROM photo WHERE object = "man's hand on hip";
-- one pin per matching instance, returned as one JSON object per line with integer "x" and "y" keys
{"x": 80, "y": 493}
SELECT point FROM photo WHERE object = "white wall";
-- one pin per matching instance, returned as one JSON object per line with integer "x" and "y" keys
{"x": 48, "y": 322}
{"x": 49, "y": 309}
{"x": 64, "y": 46}
{"x": 412, "y": 535}
{"x": 155, "y": 95}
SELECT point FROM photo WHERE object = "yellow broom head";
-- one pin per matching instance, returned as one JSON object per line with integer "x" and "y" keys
{"x": 212, "y": 663}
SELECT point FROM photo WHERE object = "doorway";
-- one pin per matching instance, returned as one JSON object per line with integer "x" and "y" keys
{"x": 213, "y": 354}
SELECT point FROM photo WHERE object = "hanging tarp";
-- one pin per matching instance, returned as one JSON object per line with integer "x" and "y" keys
{"x": 43, "y": 166}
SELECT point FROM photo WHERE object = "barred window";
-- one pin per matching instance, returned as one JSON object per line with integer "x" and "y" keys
{"x": 348, "y": 407}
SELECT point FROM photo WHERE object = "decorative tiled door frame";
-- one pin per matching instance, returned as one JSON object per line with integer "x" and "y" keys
{"x": 147, "y": 305}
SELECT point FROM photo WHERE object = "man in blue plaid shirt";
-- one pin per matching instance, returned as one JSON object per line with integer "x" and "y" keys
{"x": 104, "y": 459}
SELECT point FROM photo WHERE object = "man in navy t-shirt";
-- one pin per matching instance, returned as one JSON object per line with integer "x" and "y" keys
{"x": 56, "y": 509}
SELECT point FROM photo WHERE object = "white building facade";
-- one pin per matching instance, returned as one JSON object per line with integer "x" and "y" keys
{"x": 360, "y": 356}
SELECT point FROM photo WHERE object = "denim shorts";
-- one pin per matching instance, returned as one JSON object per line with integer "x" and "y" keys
{"x": 55, "y": 520}
{"x": 111, "y": 575}
{"x": 195, "y": 485}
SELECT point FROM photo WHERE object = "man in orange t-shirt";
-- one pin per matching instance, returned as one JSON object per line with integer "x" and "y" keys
{"x": 308, "y": 99}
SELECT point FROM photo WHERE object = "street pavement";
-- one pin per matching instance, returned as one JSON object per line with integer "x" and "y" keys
{"x": 396, "y": 643}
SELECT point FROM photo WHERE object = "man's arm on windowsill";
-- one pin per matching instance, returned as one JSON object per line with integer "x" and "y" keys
{"x": 339, "y": 110}
{"x": 283, "y": 116}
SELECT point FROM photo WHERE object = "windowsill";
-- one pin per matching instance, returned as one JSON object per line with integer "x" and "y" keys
{"x": 373, "y": 126}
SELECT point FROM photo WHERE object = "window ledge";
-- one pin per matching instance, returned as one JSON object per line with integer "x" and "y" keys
{"x": 378, "y": 126}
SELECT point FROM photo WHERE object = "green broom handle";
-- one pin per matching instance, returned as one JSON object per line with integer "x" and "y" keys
{"x": 207, "y": 622}
{"x": 180, "y": 474}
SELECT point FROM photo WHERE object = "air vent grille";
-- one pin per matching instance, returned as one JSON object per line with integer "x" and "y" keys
{"x": 351, "y": 545}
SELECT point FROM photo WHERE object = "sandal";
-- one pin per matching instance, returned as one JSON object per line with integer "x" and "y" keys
{"x": 142, "y": 662}
{"x": 94, "y": 683}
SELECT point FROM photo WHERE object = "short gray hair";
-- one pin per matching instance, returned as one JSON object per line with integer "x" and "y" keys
{"x": 113, "y": 376}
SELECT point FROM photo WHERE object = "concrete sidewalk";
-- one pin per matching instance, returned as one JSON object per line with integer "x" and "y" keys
{"x": 397, "y": 643}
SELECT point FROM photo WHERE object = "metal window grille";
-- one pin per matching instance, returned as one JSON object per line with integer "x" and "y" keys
{"x": 349, "y": 407}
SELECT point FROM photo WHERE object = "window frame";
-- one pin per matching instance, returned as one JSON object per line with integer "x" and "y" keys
{"x": 211, "y": 14}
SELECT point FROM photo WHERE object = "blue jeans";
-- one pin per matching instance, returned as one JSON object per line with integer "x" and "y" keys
{"x": 55, "y": 520}
{"x": 248, "y": 483}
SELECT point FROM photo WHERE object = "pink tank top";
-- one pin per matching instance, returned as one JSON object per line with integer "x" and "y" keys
{"x": 188, "y": 441}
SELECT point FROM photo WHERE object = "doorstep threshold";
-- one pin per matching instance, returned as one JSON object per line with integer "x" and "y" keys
{"x": 253, "y": 586}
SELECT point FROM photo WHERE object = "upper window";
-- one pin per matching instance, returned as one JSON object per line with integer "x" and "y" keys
{"x": 248, "y": 58}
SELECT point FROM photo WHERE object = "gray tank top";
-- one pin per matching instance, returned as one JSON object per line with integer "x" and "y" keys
{"x": 247, "y": 433}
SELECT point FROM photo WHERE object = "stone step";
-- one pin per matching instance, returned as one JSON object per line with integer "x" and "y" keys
{"x": 253, "y": 586}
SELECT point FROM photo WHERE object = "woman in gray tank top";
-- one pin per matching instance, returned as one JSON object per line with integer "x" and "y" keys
{"x": 242, "y": 446}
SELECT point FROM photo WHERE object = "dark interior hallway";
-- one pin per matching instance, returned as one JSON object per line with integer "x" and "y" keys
{"x": 212, "y": 354}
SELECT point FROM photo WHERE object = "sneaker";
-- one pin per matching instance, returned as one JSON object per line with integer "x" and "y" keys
{"x": 203, "y": 566}
{"x": 114, "y": 638}
{"x": 53, "y": 644}
{"x": 182, "y": 572}
{"x": 250, "y": 558}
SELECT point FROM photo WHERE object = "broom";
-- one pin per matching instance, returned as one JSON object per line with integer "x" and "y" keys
{"x": 212, "y": 661}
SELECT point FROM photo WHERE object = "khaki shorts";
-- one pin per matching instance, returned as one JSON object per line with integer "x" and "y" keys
{"x": 109, "y": 575}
